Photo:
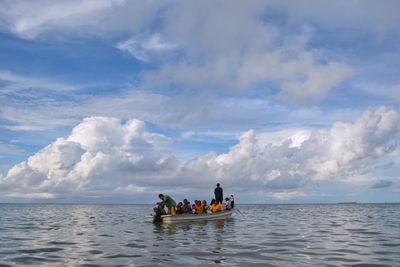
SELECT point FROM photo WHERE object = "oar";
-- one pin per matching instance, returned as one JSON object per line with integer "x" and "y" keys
{"x": 239, "y": 211}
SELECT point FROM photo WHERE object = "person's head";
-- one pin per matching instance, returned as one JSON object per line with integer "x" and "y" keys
{"x": 227, "y": 199}
{"x": 218, "y": 185}
{"x": 185, "y": 201}
{"x": 180, "y": 204}
{"x": 204, "y": 202}
{"x": 161, "y": 196}
{"x": 212, "y": 201}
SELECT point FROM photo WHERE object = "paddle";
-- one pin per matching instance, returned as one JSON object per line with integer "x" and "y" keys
{"x": 239, "y": 211}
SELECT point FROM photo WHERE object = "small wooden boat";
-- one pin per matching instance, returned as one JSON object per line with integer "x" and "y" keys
{"x": 193, "y": 217}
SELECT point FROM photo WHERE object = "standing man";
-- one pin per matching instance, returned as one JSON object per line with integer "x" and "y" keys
{"x": 218, "y": 192}
{"x": 169, "y": 203}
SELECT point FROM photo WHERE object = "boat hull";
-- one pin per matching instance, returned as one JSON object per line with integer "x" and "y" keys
{"x": 194, "y": 217}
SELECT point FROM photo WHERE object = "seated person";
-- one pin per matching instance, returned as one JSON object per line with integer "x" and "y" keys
{"x": 194, "y": 209}
{"x": 179, "y": 208}
{"x": 206, "y": 208}
{"x": 215, "y": 206}
{"x": 232, "y": 200}
{"x": 227, "y": 204}
{"x": 198, "y": 207}
{"x": 186, "y": 208}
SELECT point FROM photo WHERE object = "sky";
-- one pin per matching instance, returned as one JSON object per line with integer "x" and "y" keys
{"x": 278, "y": 101}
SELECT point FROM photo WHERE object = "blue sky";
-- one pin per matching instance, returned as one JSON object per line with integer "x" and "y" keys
{"x": 282, "y": 102}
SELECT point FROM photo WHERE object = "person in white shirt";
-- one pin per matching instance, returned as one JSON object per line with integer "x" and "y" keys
{"x": 227, "y": 204}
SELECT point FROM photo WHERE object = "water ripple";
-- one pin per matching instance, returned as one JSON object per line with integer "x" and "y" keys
{"x": 39, "y": 250}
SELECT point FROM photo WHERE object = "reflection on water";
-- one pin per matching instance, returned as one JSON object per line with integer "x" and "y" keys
{"x": 264, "y": 235}
{"x": 199, "y": 227}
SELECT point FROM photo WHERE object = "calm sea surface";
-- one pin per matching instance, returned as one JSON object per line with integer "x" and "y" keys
{"x": 261, "y": 235}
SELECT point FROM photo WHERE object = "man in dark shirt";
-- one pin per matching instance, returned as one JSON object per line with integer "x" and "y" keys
{"x": 218, "y": 192}
{"x": 186, "y": 208}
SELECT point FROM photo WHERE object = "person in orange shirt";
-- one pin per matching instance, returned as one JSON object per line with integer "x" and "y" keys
{"x": 215, "y": 206}
{"x": 198, "y": 207}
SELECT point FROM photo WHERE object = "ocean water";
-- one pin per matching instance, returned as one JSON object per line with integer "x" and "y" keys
{"x": 260, "y": 235}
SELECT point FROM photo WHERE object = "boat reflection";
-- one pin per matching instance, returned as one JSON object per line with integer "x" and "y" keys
{"x": 203, "y": 228}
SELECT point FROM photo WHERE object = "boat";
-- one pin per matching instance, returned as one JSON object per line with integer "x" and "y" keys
{"x": 193, "y": 217}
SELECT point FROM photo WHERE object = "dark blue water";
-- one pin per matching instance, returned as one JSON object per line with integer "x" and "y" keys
{"x": 263, "y": 235}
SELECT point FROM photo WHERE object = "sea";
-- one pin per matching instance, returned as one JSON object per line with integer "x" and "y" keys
{"x": 256, "y": 235}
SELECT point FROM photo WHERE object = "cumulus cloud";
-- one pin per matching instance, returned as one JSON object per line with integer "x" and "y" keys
{"x": 101, "y": 154}
{"x": 105, "y": 156}
{"x": 344, "y": 152}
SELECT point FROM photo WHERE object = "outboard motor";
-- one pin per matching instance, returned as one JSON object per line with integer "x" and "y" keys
{"x": 158, "y": 211}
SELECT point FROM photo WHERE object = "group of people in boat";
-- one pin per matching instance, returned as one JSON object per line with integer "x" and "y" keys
{"x": 217, "y": 204}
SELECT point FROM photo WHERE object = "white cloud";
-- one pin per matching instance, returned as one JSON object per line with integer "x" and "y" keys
{"x": 296, "y": 136}
{"x": 221, "y": 45}
{"x": 103, "y": 156}
{"x": 144, "y": 49}
{"x": 288, "y": 195}
{"x": 320, "y": 79}
{"x": 14, "y": 82}
{"x": 370, "y": 16}
{"x": 10, "y": 149}
{"x": 185, "y": 111}
{"x": 303, "y": 75}
{"x": 29, "y": 20}
{"x": 391, "y": 92}
{"x": 204, "y": 136}
{"x": 35, "y": 118}
{"x": 100, "y": 154}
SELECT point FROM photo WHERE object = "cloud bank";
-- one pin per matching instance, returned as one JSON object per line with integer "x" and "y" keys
{"x": 108, "y": 157}
{"x": 203, "y": 46}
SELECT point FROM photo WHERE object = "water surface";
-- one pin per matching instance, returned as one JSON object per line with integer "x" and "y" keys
{"x": 261, "y": 235}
